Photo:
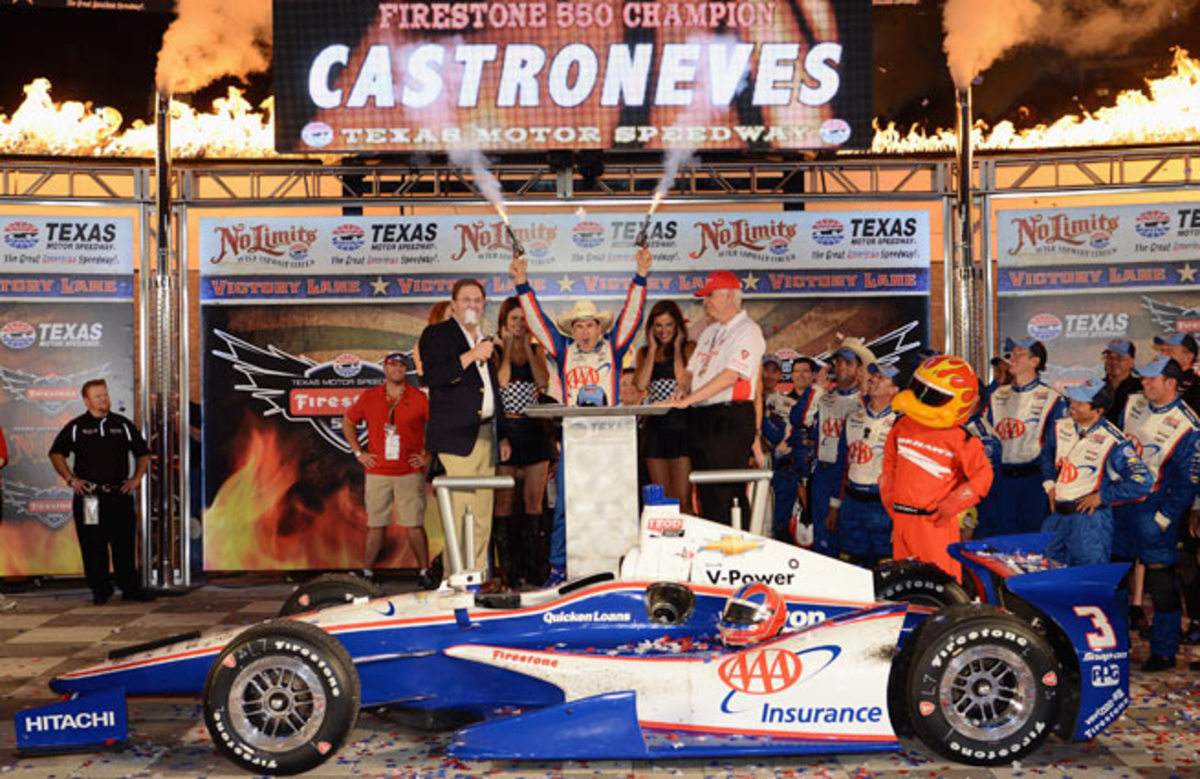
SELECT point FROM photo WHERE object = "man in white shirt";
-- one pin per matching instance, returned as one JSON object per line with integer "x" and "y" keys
{"x": 718, "y": 387}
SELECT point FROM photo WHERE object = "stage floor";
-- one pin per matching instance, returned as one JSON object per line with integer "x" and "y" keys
{"x": 58, "y": 629}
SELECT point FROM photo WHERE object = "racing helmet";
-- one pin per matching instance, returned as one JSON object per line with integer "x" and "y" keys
{"x": 942, "y": 393}
{"x": 753, "y": 614}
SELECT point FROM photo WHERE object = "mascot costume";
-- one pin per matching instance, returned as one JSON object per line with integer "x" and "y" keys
{"x": 933, "y": 470}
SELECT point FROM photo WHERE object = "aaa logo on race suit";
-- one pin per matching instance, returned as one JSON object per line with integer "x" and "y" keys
{"x": 860, "y": 453}
{"x": 1010, "y": 428}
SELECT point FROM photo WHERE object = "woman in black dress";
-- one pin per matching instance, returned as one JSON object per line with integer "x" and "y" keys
{"x": 522, "y": 374}
{"x": 661, "y": 364}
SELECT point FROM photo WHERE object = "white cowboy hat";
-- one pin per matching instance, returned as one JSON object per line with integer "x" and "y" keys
{"x": 854, "y": 347}
{"x": 583, "y": 309}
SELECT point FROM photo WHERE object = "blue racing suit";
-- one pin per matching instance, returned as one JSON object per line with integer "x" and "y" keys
{"x": 832, "y": 409}
{"x": 1021, "y": 417}
{"x": 1077, "y": 463}
{"x": 600, "y": 367}
{"x": 864, "y": 528}
{"x": 793, "y": 468}
{"x": 977, "y": 428}
{"x": 1166, "y": 438}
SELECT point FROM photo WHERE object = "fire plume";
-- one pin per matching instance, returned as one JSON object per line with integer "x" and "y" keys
{"x": 40, "y": 126}
{"x": 1167, "y": 111}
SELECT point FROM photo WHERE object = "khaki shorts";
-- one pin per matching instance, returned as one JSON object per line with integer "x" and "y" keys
{"x": 406, "y": 493}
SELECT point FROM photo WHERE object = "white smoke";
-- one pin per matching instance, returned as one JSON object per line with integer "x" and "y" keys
{"x": 210, "y": 39}
{"x": 979, "y": 32}
{"x": 474, "y": 161}
{"x": 675, "y": 159}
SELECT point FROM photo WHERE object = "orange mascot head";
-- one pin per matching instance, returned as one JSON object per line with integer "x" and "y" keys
{"x": 942, "y": 393}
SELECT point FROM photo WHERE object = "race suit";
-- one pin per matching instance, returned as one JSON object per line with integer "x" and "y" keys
{"x": 864, "y": 528}
{"x": 599, "y": 367}
{"x": 832, "y": 409}
{"x": 802, "y": 441}
{"x": 776, "y": 429}
{"x": 1165, "y": 437}
{"x": 1021, "y": 417}
{"x": 1076, "y": 463}
{"x": 929, "y": 477}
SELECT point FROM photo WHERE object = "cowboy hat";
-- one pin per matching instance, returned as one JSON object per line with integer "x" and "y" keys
{"x": 853, "y": 349}
{"x": 583, "y": 309}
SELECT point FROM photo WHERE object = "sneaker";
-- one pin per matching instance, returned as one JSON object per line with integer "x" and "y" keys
{"x": 1191, "y": 636}
{"x": 558, "y": 577}
{"x": 1158, "y": 663}
{"x": 425, "y": 581}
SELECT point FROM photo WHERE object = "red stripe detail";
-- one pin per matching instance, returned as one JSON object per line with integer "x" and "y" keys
{"x": 140, "y": 663}
{"x": 789, "y": 735}
{"x": 743, "y": 390}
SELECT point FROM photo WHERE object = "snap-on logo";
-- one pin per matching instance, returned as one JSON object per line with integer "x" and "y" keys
{"x": 763, "y": 672}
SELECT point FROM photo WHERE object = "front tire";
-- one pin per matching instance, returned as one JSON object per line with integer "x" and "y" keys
{"x": 983, "y": 686}
{"x": 281, "y": 698}
{"x": 331, "y": 589}
{"x": 921, "y": 584}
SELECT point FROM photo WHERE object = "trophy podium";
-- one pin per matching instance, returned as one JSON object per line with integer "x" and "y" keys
{"x": 600, "y": 471}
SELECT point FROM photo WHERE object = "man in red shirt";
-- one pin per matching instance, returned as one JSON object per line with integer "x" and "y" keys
{"x": 394, "y": 458}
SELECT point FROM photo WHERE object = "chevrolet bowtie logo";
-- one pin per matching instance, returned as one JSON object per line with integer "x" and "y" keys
{"x": 732, "y": 545}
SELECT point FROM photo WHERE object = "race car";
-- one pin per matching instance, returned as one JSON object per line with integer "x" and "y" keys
{"x": 709, "y": 641}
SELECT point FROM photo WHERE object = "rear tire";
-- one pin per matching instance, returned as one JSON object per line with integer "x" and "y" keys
{"x": 281, "y": 698}
{"x": 921, "y": 584}
{"x": 331, "y": 589}
{"x": 983, "y": 686}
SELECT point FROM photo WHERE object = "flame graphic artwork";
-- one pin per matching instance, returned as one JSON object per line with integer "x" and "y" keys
{"x": 1166, "y": 111}
{"x": 29, "y": 547}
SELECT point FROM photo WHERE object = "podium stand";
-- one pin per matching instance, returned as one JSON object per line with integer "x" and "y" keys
{"x": 600, "y": 472}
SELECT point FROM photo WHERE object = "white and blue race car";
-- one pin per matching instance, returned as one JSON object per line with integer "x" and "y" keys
{"x": 630, "y": 665}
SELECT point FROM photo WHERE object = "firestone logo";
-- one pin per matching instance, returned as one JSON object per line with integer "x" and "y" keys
{"x": 242, "y": 241}
{"x": 21, "y": 235}
{"x": 742, "y": 234}
{"x": 1094, "y": 231}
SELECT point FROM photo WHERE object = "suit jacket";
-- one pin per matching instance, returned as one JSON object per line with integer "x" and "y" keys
{"x": 455, "y": 393}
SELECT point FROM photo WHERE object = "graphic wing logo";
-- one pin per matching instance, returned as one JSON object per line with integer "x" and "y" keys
{"x": 297, "y": 388}
{"x": 50, "y": 393}
{"x": 1170, "y": 316}
{"x": 49, "y": 505}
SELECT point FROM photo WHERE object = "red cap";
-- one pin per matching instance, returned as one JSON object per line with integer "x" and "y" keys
{"x": 718, "y": 279}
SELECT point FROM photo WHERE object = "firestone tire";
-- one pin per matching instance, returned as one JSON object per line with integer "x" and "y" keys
{"x": 331, "y": 589}
{"x": 983, "y": 686}
{"x": 921, "y": 584}
{"x": 282, "y": 698}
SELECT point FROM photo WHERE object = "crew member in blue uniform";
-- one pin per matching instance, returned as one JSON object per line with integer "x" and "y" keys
{"x": 1021, "y": 415}
{"x": 1165, "y": 433}
{"x": 856, "y": 515}
{"x": 1088, "y": 465}
{"x": 845, "y": 398}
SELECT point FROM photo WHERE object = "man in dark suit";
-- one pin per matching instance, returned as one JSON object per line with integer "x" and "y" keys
{"x": 465, "y": 421}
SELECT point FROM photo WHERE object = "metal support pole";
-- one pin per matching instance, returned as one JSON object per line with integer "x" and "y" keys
{"x": 965, "y": 341}
{"x": 760, "y": 482}
{"x": 442, "y": 487}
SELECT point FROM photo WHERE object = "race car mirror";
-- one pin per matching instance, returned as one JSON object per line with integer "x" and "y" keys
{"x": 669, "y": 603}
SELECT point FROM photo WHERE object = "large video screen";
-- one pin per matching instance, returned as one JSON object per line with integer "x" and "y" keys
{"x": 364, "y": 76}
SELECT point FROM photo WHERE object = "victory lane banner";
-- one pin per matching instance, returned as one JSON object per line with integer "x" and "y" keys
{"x": 66, "y": 316}
{"x": 376, "y": 76}
{"x": 1078, "y": 277}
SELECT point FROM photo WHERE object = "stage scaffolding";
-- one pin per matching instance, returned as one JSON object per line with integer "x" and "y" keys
{"x": 165, "y": 307}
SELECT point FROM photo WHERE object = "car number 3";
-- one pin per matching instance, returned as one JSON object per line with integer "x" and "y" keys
{"x": 1104, "y": 636}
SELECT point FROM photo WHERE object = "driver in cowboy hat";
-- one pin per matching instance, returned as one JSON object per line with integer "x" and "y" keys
{"x": 588, "y": 351}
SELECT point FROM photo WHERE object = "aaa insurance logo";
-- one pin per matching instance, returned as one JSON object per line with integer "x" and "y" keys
{"x": 300, "y": 389}
{"x": 756, "y": 673}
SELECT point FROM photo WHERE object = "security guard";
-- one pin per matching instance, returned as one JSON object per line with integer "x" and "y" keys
{"x": 1020, "y": 415}
{"x": 1088, "y": 465}
{"x": 1165, "y": 433}
{"x": 105, "y": 520}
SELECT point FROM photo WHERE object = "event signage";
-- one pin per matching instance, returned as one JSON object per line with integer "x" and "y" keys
{"x": 376, "y": 76}
{"x": 373, "y": 258}
{"x": 1078, "y": 277}
{"x": 66, "y": 316}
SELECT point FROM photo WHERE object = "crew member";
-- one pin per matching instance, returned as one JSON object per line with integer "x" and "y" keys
{"x": 802, "y": 445}
{"x": 1020, "y": 414}
{"x": 394, "y": 460}
{"x": 1181, "y": 347}
{"x": 856, "y": 515}
{"x": 1088, "y": 465}
{"x": 105, "y": 520}
{"x": 849, "y": 361}
{"x": 720, "y": 387}
{"x": 1118, "y": 359}
{"x": 589, "y": 353}
{"x": 1165, "y": 432}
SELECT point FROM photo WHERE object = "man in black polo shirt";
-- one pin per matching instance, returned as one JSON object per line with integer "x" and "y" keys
{"x": 101, "y": 443}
